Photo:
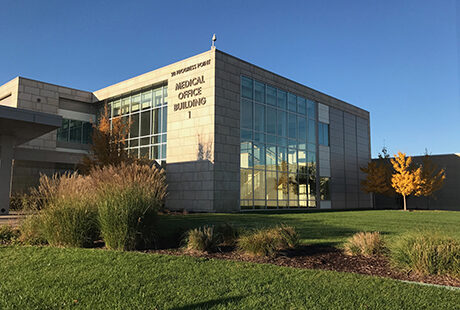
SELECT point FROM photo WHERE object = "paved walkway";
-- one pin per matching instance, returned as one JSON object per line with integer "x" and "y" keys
{"x": 14, "y": 219}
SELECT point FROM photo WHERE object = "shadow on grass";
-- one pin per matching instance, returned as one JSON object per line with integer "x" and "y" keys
{"x": 211, "y": 303}
{"x": 172, "y": 228}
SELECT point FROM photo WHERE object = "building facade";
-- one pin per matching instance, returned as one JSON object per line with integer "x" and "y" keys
{"x": 231, "y": 135}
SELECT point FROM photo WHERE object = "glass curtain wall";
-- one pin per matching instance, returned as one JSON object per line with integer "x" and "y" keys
{"x": 147, "y": 113}
{"x": 278, "y": 148}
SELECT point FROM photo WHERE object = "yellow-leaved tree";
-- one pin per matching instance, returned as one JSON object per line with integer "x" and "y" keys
{"x": 406, "y": 180}
{"x": 431, "y": 179}
{"x": 378, "y": 178}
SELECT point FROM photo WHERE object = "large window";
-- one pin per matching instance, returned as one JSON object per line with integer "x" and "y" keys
{"x": 75, "y": 131}
{"x": 278, "y": 148}
{"x": 146, "y": 112}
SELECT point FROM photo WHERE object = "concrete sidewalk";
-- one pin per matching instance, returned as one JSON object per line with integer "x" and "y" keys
{"x": 14, "y": 219}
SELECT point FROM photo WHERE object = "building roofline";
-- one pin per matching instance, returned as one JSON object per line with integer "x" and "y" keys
{"x": 57, "y": 85}
{"x": 292, "y": 81}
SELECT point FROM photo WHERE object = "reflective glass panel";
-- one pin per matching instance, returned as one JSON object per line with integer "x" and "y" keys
{"x": 271, "y": 95}
{"x": 259, "y": 117}
{"x": 271, "y": 121}
{"x": 292, "y": 102}
{"x": 246, "y": 87}
{"x": 259, "y": 92}
{"x": 246, "y": 114}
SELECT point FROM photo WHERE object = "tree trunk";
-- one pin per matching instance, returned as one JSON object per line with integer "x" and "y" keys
{"x": 404, "y": 198}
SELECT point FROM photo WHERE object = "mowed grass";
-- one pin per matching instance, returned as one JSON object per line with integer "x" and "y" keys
{"x": 331, "y": 228}
{"x": 55, "y": 278}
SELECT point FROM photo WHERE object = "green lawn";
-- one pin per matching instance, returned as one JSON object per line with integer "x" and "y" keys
{"x": 331, "y": 228}
{"x": 51, "y": 278}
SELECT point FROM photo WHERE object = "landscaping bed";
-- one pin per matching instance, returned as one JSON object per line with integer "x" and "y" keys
{"x": 325, "y": 258}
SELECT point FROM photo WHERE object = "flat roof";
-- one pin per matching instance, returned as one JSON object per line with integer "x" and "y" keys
{"x": 25, "y": 125}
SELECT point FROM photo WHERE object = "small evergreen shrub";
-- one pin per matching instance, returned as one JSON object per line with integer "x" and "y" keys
{"x": 269, "y": 241}
{"x": 426, "y": 253}
{"x": 8, "y": 234}
{"x": 31, "y": 232}
{"x": 202, "y": 239}
{"x": 365, "y": 243}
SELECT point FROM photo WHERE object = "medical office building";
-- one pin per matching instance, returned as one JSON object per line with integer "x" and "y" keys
{"x": 231, "y": 135}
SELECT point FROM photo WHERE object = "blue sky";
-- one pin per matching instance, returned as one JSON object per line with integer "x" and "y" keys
{"x": 397, "y": 59}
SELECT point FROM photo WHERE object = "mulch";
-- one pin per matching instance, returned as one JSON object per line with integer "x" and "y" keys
{"x": 326, "y": 258}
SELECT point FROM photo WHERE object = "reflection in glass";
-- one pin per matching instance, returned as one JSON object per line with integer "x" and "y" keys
{"x": 272, "y": 187}
{"x": 292, "y": 126}
{"x": 134, "y": 128}
{"x": 278, "y": 148}
{"x": 271, "y": 95}
{"x": 271, "y": 120}
{"x": 311, "y": 136}
{"x": 302, "y": 126}
{"x": 135, "y": 103}
{"x": 259, "y": 92}
{"x": 246, "y": 155}
{"x": 246, "y": 184}
{"x": 259, "y": 117}
{"x": 292, "y": 102}
{"x": 246, "y": 87}
{"x": 301, "y": 105}
{"x": 246, "y": 114}
{"x": 259, "y": 156}
{"x": 282, "y": 99}
{"x": 259, "y": 184}
{"x": 270, "y": 157}
{"x": 324, "y": 188}
{"x": 281, "y": 125}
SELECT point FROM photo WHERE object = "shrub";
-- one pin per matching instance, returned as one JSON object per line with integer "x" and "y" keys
{"x": 120, "y": 201}
{"x": 365, "y": 243}
{"x": 126, "y": 219}
{"x": 66, "y": 213}
{"x": 202, "y": 239}
{"x": 8, "y": 234}
{"x": 268, "y": 242}
{"x": 69, "y": 221}
{"x": 426, "y": 253}
{"x": 31, "y": 231}
{"x": 17, "y": 201}
{"x": 150, "y": 181}
{"x": 228, "y": 235}
{"x": 129, "y": 198}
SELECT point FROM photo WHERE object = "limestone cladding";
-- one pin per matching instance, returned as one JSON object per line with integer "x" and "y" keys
{"x": 45, "y": 97}
{"x": 190, "y": 128}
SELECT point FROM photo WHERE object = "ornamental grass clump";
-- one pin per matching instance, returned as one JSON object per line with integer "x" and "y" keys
{"x": 228, "y": 234}
{"x": 66, "y": 210}
{"x": 202, "y": 239}
{"x": 268, "y": 241}
{"x": 365, "y": 243}
{"x": 426, "y": 253}
{"x": 129, "y": 197}
{"x": 31, "y": 231}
